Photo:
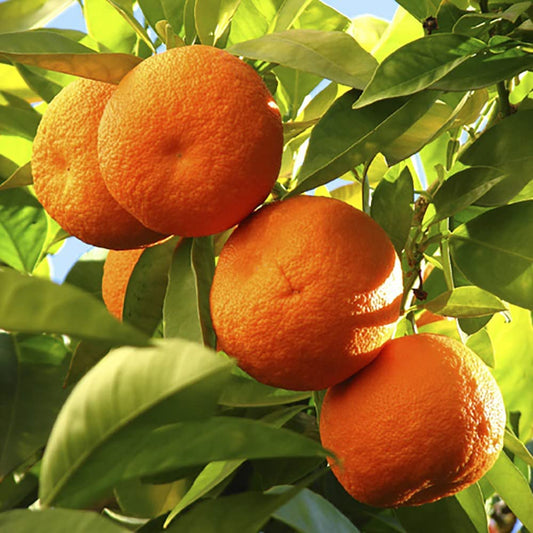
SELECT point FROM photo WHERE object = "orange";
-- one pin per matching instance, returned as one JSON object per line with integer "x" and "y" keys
{"x": 66, "y": 176}
{"x": 305, "y": 292}
{"x": 118, "y": 268}
{"x": 423, "y": 421}
{"x": 191, "y": 141}
{"x": 427, "y": 317}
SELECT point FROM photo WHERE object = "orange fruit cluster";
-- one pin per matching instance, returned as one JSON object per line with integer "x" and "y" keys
{"x": 189, "y": 143}
{"x": 305, "y": 296}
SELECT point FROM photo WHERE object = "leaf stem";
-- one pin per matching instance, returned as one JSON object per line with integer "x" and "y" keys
{"x": 446, "y": 263}
{"x": 503, "y": 98}
{"x": 484, "y": 6}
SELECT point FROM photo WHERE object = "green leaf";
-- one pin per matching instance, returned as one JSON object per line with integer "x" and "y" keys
{"x": 87, "y": 273}
{"x": 23, "y": 227}
{"x": 41, "y": 81}
{"x": 503, "y": 147}
{"x": 465, "y": 302}
{"x": 287, "y": 14}
{"x": 332, "y": 55}
{"x": 517, "y": 447}
{"x": 50, "y": 50}
{"x": 513, "y": 488}
{"x": 180, "y": 312}
{"x": 462, "y": 189}
{"x": 418, "y": 65}
{"x": 486, "y": 68}
{"x": 444, "y": 516}
{"x": 16, "y": 15}
{"x": 308, "y": 512}
{"x": 31, "y": 393}
{"x": 346, "y": 137}
{"x": 246, "y": 512}
{"x": 214, "y": 473}
{"x": 116, "y": 406}
{"x": 480, "y": 343}
{"x": 32, "y": 305}
{"x": 147, "y": 285}
{"x": 391, "y": 206}
{"x": 421, "y": 9}
{"x": 242, "y": 391}
{"x": 472, "y": 502}
{"x": 57, "y": 520}
{"x": 20, "y": 122}
{"x": 512, "y": 342}
{"x": 108, "y": 27}
{"x": 212, "y": 18}
{"x": 16, "y": 489}
{"x": 495, "y": 252}
{"x": 203, "y": 265}
{"x": 85, "y": 356}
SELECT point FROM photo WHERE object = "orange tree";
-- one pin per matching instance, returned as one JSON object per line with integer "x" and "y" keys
{"x": 145, "y": 424}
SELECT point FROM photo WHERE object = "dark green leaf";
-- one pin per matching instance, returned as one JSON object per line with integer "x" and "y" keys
{"x": 463, "y": 188}
{"x": 87, "y": 274}
{"x": 514, "y": 489}
{"x": 495, "y": 252}
{"x": 465, "y": 302}
{"x": 472, "y": 501}
{"x": 153, "y": 10}
{"x": 20, "y": 177}
{"x": 391, "y": 206}
{"x": 346, "y": 137}
{"x": 23, "y": 227}
{"x": 50, "y": 50}
{"x": 7, "y": 167}
{"x": 245, "y": 392}
{"x": 117, "y": 406}
{"x": 18, "y": 491}
{"x": 203, "y": 265}
{"x": 331, "y": 55}
{"x": 31, "y": 393}
{"x": 517, "y": 447}
{"x": 58, "y": 521}
{"x": 36, "y": 79}
{"x": 444, "y": 516}
{"x": 217, "y": 471}
{"x": 486, "y": 68}
{"x": 147, "y": 285}
{"x": 20, "y": 122}
{"x": 308, "y": 512}
{"x": 418, "y": 65}
{"x": 180, "y": 312}
{"x": 33, "y": 305}
{"x": 85, "y": 356}
{"x": 503, "y": 147}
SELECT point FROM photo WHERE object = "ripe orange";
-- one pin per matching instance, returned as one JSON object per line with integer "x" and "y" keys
{"x": 424, "y": 420}
{"x": 118, "y": 268}
{"x": 191, "y": 141}
{"x": 66, "y": 176}
{"x": 305, "y": 292}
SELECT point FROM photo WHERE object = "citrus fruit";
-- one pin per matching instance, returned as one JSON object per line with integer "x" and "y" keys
{"x": 305, "y": 292}
{"x": 191, "y": 141}
{"x": 66, "y": 175}
{"x": 423, "y": 421}
{"x": 118, "y": 268}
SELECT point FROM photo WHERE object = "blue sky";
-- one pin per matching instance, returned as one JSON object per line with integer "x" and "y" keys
{"x": 71, "y": 18}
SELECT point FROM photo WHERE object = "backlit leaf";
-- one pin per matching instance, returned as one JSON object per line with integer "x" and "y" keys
{"x": 212, "y": 18}
{"x": 16, "y": 15}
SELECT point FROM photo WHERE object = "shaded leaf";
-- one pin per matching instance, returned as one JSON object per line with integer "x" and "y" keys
{"x": 513, "y": 488}
{"x": 444, "y": 516}
{"x": 418, "y": 65}
{"x": 85, "y": 356}
{"x": 391, "y": 206}
{"x": 480, "y": 343}
{"x": 52, "y": 51}
{"x": 242, "y": 391}
{"x": 331, "y": 55}
{"x": 33, "y": 305}
{"x": 117, "y": 406}
{"x": 31, "y": 393}
{"x": 465, "y": 302}
{"x": 58, "y": 521}
{"x": 495, "y": 252}
{"x": 463, "y": 188}
{"x": 309, "y": 512}
{"x": 147, "y": 285}
{"x": 503, "y": 147}
{"x": 421, "y": 9}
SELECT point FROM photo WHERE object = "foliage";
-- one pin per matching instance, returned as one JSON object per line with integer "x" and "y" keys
{"x": 426, "y": 121}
